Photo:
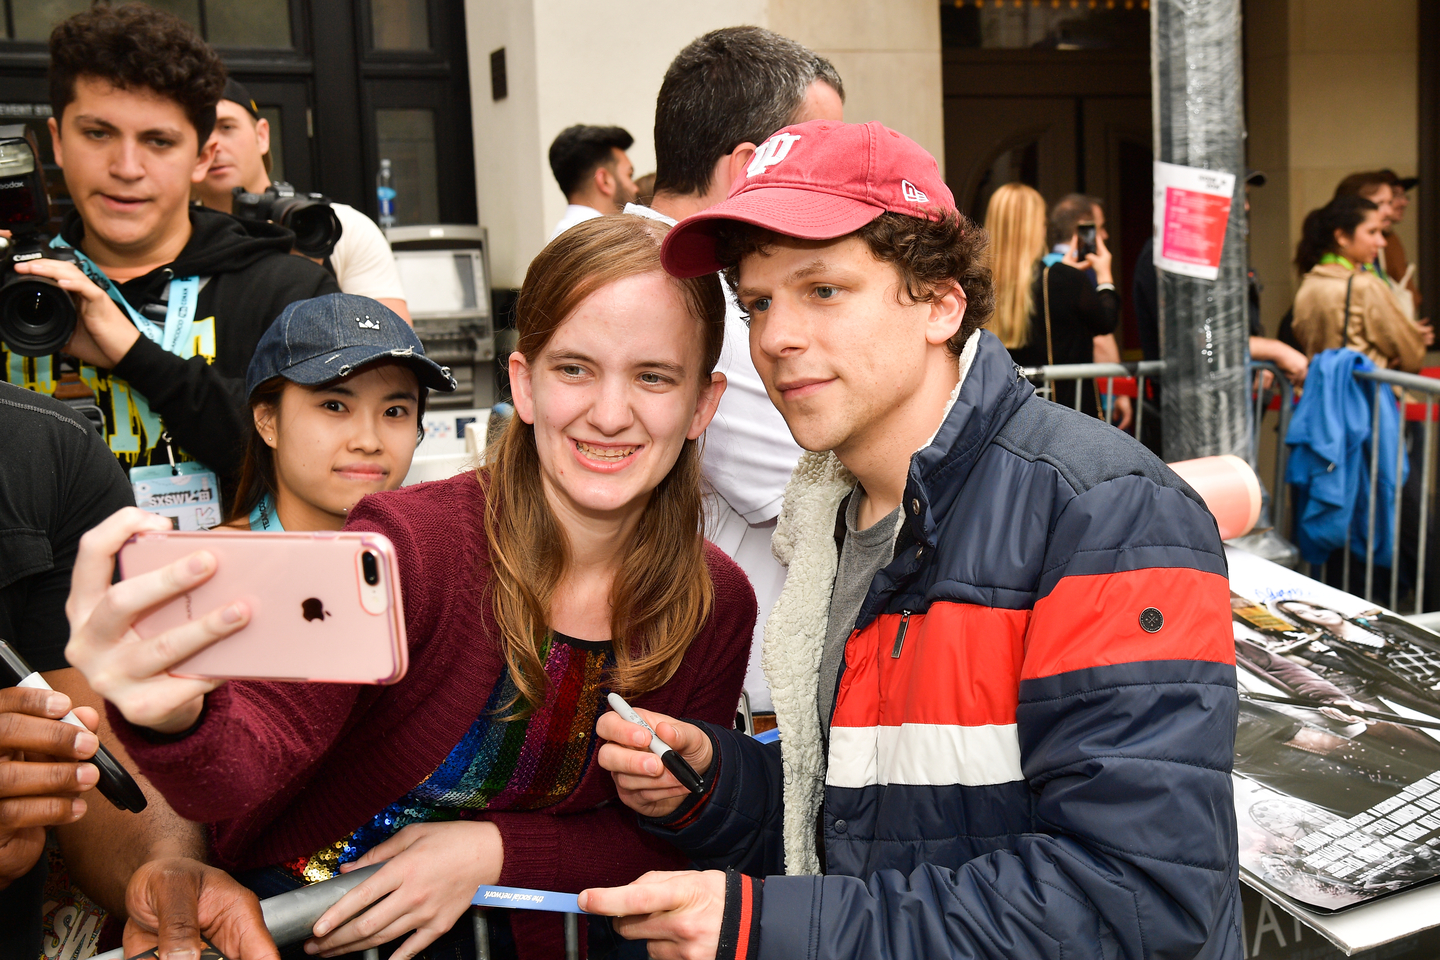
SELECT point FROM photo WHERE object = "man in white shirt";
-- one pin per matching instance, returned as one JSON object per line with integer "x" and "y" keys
{"x": 594, "y": 172}
{"x": 361, "y": 261}
{"x": 702, "y": 143}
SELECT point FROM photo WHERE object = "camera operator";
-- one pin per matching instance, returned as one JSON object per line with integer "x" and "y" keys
{"x": 59, "y": 481}
{"x": 361, "y": 260}
{"x": 171, "y": 299}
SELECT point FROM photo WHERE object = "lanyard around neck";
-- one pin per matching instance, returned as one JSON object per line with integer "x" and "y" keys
{"x": 264, "y": 517}
{"x": 177, "y": 337}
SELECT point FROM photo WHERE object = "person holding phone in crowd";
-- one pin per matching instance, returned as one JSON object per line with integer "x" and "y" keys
{"x": 1046, "y": 313}
{"x": 570, "y": 564}
{"x": 337, "y": 389}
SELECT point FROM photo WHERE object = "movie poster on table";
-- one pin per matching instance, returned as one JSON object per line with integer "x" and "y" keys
{"x": 1337, "y": 751}
{"x": 1192, "y": 210}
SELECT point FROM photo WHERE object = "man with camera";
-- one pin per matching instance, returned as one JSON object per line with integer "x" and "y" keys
{"x": 169, "y": 300}
{"x": 360, "y": 257}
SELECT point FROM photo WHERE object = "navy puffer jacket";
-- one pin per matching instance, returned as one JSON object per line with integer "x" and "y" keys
{"x": 1040, "y": 765}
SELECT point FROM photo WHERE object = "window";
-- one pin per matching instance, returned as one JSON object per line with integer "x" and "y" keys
{"x": 406, "y": 138}
{"x": 225, "y": 23}
{"x": 400, "y": 24}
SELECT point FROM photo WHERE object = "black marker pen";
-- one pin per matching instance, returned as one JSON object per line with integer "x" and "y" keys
{"x": 116, "y": 784}
{"x": 675, "y": 763}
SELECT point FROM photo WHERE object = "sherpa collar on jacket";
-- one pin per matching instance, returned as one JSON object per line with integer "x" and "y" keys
{"x": 984, "y": 398}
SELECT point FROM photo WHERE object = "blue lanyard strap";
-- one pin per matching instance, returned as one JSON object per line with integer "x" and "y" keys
{"x": 184, "y": 295}
{"x": 264, "y": 517}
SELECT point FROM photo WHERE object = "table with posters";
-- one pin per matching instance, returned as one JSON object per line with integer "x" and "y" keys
{"x": 1337, "y": 761}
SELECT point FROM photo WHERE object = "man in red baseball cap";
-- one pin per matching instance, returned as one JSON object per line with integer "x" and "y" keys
{"x": 1002, "y": 663}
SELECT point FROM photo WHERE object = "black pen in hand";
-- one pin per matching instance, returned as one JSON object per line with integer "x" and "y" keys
{"x": 675, "y": 763}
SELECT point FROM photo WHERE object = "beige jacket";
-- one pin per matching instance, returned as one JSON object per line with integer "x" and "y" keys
{"x": 1376, "y": 327}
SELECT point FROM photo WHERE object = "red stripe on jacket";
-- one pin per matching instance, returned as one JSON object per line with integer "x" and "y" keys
{"x": 1094, "y": 621}
{"x": 959, "y": 665}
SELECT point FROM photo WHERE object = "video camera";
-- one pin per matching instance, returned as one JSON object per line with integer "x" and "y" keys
{"x": 37, "y": 317}
{"x": 307, "y": 215}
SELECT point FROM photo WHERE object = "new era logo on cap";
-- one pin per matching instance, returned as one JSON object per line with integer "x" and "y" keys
{"x": 840, "y": 178}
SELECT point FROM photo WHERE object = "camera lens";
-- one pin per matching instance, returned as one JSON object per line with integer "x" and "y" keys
{"x": 371, "y": 568}
{"x": 37, "y": 317}
{"x": 315, "y": 226}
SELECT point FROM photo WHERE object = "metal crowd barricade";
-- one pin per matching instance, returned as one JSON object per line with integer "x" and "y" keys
{"x": 1278, "y": 395}
{"x": 1133, "y": 373}
{"x": 1426, "y": 412}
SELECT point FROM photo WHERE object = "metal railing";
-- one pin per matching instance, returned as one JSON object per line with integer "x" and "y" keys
{"x": 1277, "y": 395}
{"x": 1426, "y": 412}
{"x": 1130, "y": 376}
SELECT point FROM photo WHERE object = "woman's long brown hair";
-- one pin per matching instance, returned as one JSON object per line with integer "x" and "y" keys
{"x": 662, "y": 594}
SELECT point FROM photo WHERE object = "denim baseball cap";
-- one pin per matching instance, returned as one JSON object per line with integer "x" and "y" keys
{"x": 326, "y": 338}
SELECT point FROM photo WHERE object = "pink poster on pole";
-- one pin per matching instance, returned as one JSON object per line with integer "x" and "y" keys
{"x": 1192, "y": 210}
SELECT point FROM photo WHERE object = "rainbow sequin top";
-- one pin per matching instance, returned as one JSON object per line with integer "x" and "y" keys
{"x": 499, "y": 764}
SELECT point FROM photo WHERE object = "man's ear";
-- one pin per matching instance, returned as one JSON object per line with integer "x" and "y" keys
{"x": 55, "y": 145}
{"x": 522, "y": 394}
{"x": 262, "y": 135}
{"x": 947, "y": 312}
{"x": 203, "y": 161}
{"x": 605, "y": 181}
{"x": 739, "y": 159}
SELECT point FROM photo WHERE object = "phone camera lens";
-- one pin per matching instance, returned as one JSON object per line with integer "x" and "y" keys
{"x": 371, "y": 568}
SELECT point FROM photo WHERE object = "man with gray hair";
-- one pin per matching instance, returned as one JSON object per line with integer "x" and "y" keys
{"x": 723, "y": 95}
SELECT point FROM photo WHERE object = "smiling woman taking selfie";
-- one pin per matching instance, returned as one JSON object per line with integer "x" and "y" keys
{"x": 572, "y": 564}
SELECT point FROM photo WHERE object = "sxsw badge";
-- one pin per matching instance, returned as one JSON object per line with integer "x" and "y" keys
{"x": 187, "y": 494}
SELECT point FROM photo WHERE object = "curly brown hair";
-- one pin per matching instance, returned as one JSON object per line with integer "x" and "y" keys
{"x": 136, "y": 46}
{"x": 928, "y": 255}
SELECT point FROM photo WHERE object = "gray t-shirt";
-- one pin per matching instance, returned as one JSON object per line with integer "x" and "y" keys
{"x": 864, "y": 554}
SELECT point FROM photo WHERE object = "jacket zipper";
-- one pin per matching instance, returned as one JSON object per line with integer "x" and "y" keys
{"x": 900, "y": 634}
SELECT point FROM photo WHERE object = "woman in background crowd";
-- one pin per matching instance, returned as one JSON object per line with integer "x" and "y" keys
{"x": 571, "y": 564}
{"x": 337, "y": 388}
{"x": 1343, "y": 301}
{"x": 1046, "y": 314}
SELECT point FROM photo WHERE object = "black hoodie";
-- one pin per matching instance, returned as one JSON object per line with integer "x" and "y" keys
{"x": 248, "y": 275}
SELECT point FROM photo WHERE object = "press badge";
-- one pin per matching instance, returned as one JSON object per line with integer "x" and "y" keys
{"x": 186, "y": 494}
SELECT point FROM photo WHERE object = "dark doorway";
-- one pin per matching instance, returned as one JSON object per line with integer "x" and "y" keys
{"x": 339, "y": 80}
{"x": 1057, "y": 97}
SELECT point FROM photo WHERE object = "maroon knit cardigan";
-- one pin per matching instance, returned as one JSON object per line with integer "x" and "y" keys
{"x": 280, "y": 770}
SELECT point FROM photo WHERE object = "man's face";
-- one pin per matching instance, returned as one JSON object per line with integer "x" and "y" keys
{"x": 623, "y": 172}
{"x": 130, "y": 157}
{"x": 1381, "y": 197}
{"x": 240, "y": 142}
{"x": 837, "y": 349}
{"x": 1097, "y": 213}
{"x": 1399, "y": 200}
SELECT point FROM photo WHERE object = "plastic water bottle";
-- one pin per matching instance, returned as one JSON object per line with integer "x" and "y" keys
{"x": 385, "y": 192}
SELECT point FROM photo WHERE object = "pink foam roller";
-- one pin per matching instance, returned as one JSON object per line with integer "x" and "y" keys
{"x": 1229, "y": 488}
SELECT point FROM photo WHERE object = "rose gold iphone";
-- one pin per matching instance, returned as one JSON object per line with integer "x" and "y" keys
{"x": 324, "y": 606}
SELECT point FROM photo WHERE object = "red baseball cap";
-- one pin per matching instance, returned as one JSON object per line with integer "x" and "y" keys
{"x": 816, "y": 181}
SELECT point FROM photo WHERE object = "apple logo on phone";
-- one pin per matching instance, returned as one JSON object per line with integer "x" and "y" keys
{"x": 313, "y": 609}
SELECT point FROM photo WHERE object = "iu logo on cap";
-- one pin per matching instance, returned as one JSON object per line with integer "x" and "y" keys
{"x": 912, "y": 193}
{"x": 770, "y": 152}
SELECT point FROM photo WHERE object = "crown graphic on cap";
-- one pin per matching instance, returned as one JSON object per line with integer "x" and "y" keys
{"x": 816, "y": 181}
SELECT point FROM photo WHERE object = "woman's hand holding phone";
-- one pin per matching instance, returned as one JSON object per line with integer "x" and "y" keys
{"x": 432, "y": 873}
{"x": 124, "y": 668}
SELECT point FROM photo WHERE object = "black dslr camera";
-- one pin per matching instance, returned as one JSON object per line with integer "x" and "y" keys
{"x": 37, "y": 317}
{"x": 307, "y": 215}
